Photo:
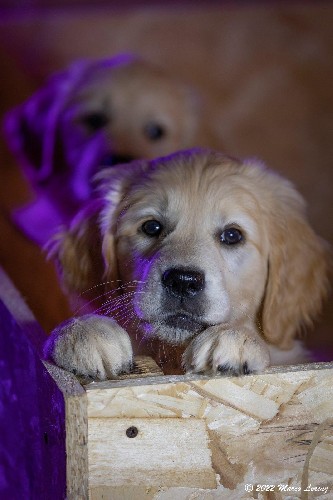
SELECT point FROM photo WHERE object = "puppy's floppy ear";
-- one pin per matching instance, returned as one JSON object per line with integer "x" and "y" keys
{"x": 85, "y": 253}
{"x": 32, "y": 128}
{"x": 298, "y": 269}
{"x": 77, "y": 250}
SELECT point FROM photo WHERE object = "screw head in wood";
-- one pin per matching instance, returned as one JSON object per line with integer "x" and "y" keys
{"x": 132, "y": 432}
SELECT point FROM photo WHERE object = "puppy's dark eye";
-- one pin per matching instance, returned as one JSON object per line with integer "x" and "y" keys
{"x": 152, "y": 227}
{"x": 154, "y": 131}
{"x": 95, "y": 121}
{"x": 231, "y": 236}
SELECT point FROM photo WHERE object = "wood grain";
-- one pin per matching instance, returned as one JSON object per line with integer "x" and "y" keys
{"x": 168, "y": 452}
{"x": 275, "y": 428}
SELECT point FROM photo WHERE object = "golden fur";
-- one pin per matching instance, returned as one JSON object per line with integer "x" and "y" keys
{"x": 243, "y": 302}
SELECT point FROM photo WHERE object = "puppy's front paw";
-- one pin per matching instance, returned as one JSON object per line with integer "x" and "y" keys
{"x": 232, "y": 352}
{"x": 91, "y": 346}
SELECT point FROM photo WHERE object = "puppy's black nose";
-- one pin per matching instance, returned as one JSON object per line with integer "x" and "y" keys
{"x": 183, "y": 283}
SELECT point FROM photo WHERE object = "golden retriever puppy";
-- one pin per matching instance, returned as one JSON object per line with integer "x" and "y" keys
{"x": 196, "y": 250}
{"x": 94, "y": 114}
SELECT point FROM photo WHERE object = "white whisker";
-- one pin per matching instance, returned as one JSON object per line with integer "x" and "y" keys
{"x": 114, "y": 291}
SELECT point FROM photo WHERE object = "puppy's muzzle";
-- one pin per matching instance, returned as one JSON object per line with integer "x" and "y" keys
{"x": 183, "y": 302}
{"x": 183, "y": 283}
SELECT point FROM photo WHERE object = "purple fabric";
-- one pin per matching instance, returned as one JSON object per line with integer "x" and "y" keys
{"x": 38, "y": 220}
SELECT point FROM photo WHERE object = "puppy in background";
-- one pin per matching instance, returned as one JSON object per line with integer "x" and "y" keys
{"x": 198, "y": 251}
{"x": 94, "y": 114}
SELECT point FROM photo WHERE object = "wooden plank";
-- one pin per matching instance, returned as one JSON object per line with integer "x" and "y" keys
{"x": 76, "y": 432}
{"x": 275, "y": 428}
{"x": 32, "y": 416}
{"x": 167, "y": 452}
{"x": 43, "y": 428}
{"x": 144, "y": 366}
